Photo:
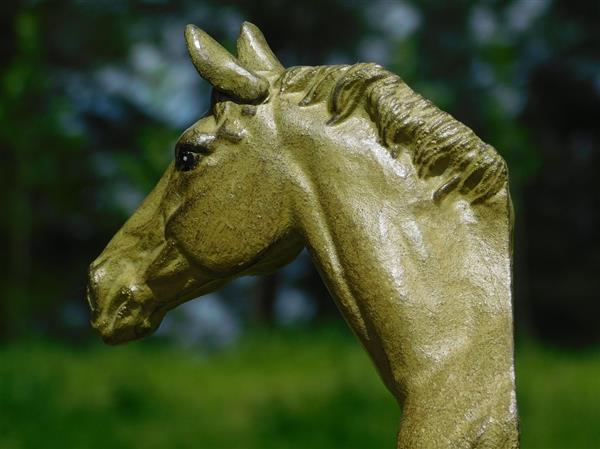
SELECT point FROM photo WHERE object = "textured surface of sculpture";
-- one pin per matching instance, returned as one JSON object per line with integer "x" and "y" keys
{"x": 406, "y": 214}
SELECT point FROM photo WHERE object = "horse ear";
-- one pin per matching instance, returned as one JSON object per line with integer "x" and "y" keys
{"x": 217, "y": 66}
{"x": 254, "y": 52}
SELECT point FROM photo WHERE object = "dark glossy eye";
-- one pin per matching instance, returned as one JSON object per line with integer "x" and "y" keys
{"x": 186, "y": 160}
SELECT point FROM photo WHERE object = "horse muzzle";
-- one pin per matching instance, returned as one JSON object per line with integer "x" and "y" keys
{"x": 119, "y": 314}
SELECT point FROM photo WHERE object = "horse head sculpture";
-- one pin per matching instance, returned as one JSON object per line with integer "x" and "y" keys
{"x": 405, "y": 212}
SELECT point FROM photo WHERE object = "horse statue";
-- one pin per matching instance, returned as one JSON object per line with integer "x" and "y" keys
{"x": 405, "y": 211}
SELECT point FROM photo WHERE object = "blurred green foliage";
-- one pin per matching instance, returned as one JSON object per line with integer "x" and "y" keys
{"x": 276, "y": 390}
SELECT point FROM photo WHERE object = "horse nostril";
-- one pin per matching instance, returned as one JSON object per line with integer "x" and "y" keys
{"x": 91, "y": 300}
{"x": 95, "y": 275}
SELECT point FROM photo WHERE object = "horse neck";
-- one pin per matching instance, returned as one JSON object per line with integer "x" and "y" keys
{"x": 425, "y": 287}
{"x": 369, "y": 219}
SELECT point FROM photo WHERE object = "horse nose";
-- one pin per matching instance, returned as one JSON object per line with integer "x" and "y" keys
{"x": 95, "y": 276}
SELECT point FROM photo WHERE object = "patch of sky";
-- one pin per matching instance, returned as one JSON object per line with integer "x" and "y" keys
{"x": 204, "y": 322}
{"x": 521, "y": 14}
{"x": 396, "y": 19}
{"x": 483, "y": 24}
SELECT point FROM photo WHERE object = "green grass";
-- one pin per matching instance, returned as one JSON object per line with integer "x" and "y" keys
{"x": 312, "y": 389}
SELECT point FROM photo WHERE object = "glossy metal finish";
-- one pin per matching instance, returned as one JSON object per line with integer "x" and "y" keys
{"x": 406, "y": 214}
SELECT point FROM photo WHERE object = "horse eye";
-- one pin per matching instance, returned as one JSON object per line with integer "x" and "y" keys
{"x": 186, "y": 160}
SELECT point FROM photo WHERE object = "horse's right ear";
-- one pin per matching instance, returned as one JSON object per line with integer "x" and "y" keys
{"x": 254, "y": 52}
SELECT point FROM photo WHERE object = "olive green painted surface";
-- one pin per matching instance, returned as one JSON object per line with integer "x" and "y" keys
{"x": 406, "y": 214}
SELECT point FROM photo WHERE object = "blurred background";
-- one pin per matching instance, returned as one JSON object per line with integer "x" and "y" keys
{"x": 93, "y": 96}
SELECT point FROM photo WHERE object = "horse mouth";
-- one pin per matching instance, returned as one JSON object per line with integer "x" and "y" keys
{"x": 118, "y": 334}
{"x": 128, "y": 322}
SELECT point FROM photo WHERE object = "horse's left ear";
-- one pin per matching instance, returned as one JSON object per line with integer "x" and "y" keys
{"x": 223, "y": 71}
{"x": 254, "y": 52}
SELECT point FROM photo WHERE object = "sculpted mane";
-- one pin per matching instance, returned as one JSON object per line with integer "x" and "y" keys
{"x": 439, "y": 145}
